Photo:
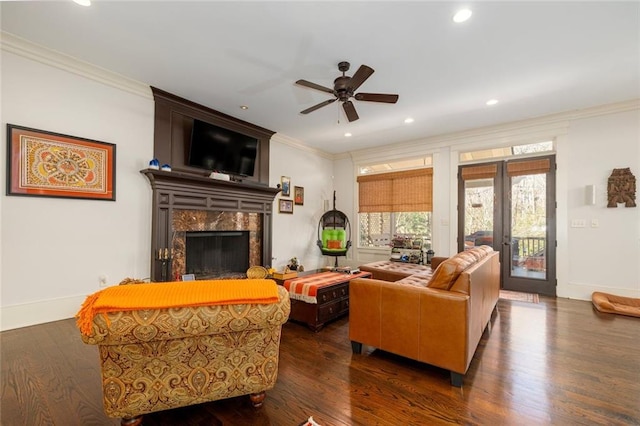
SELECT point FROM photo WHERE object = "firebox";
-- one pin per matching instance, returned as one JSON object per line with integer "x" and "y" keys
{"x": 217, "y": 254}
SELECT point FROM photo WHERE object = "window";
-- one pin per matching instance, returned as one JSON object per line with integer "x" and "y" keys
{"x": 394, "y": 204}
{"x": 378, "y": 229}
{"x": 506, "y": 152}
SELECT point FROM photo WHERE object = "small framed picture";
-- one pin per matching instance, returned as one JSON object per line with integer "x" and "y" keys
{"x": 298, "y": 195}
{"x": 188, "y": 277}
{"x": 285, "y": 206}
{"x": 285, "y": 181}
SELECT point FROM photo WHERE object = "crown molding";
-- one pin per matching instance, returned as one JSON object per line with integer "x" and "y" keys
{"x": 295, "y": 143}
{"x": 21, "y": 47}
{"x": 525, "y": 131}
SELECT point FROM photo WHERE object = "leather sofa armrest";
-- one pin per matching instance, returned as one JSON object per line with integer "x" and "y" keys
{"x": 445, "y": 318}
{"x": 421, "y": 323}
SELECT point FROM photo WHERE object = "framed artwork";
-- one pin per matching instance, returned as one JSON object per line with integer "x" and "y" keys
{"x": 47, "y": 164}
{"x": 285, "y": 206}
{"x": 286, "y": 186}
{"x": 298, "y": 195}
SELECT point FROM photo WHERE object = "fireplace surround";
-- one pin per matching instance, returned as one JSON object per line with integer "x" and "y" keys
{"x": 183, "y": 203}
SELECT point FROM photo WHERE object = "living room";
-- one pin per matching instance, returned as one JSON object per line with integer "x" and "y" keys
{"x": 54, "y": 252}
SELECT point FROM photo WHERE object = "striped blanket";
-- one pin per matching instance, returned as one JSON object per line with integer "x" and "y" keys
{"x": 306, "y": 288}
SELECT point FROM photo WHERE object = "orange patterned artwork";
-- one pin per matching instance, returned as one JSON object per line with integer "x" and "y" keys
{"x": 50, "y": 164}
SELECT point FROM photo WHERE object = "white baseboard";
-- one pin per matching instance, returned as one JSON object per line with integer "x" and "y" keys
{"x": 583, "y": 291}
{"x": 28, "y": 314}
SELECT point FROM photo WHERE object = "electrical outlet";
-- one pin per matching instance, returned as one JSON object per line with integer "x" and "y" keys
{"x": 102, "y": 280}
{"x": 595, "y": 223}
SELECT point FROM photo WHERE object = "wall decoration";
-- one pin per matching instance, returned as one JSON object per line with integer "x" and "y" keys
{"x": 621, "y": 188}
{"x": 286, "y": 186}
{"x": 47, "y": 164}
{"x": 286, "y": 206}
{"x": 298, "y": 195}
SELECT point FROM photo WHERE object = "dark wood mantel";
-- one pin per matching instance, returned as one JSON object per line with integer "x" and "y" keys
{"x": 189, "y": 188}
{"x": 181, "y": 191}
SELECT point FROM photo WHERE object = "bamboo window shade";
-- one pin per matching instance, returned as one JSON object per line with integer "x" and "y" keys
{"x": 483, "y": 171}
{"x": 407, "y": 191}
{"x": 529, "y": 167}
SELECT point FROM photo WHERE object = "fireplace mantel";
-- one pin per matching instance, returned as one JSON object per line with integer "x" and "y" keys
{"x": 180, "y": 191}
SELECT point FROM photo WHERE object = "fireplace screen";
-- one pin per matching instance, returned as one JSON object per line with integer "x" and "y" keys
{"x": 217, "y": 254}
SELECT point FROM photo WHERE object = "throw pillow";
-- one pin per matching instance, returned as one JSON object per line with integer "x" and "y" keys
{"x": 448, "y": 271}
{"x": 444, "y": 275}
{"x": 334, "y": 244}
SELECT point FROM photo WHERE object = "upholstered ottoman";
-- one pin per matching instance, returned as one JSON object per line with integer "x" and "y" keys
{"x": 388, "y": 270}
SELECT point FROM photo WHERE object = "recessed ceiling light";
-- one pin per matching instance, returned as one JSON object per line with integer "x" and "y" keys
{"x": 462, "y": 15}
{"x": 83, "y": 2}
{"x": 244, "y": 107}
{"x": 491, "y": 102}
{"x": 408, "y": 120}
{"x": 347, "y": 135}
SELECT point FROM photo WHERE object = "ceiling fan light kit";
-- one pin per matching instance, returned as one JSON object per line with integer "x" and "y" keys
{"x": 344, "y": 88}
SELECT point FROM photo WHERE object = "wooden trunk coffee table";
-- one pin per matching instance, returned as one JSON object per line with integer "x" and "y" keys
{"x": 319, "y": 297}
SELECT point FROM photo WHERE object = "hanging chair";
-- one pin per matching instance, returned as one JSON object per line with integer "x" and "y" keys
{"x": 334, "y": 233}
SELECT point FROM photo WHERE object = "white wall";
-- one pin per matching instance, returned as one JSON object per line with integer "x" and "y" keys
{"x": 54, "y": 250}
{"x": 295, "y": 235}
{"x": 606, "y": 257}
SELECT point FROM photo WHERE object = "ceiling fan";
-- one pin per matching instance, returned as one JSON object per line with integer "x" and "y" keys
{"x": 344, "y": 88}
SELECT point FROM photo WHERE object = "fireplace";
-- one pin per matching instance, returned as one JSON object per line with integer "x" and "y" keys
{"x": 215, "y": 244}
{"x": 217, "y": 254}
{"x": 185, "y": 206}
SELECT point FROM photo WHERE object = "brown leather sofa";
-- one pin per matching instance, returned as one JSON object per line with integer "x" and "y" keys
{"x": 436, "y": 317}
{"x": 153, "y": 360}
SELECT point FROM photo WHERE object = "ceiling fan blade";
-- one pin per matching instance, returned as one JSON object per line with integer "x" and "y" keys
{"x": 311, "y": 85}
{"x": 377, "y": 97}
{"x": 363, "y": 73}
{"x": 350, "y": 110}
{"x": 320, "y": 105}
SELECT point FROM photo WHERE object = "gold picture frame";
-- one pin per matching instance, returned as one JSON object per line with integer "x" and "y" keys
{"x": 285, "y": 206}
{"x": 285, "y": 183}
{"x": 298, "y": 195}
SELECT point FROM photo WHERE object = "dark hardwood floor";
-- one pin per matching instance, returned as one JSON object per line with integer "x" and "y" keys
{"x": 558, "y": 362}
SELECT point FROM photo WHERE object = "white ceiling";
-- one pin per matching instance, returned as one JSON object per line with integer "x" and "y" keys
{"x": 537, "y": 58}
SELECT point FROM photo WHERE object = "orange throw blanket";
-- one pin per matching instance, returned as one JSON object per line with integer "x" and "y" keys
{"x": 174, "y": 295}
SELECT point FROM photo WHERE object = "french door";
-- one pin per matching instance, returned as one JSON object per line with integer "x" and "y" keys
{"x": 510, "y": 205}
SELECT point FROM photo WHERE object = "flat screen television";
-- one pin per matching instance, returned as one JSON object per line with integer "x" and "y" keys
{"x": 222, "y": 150}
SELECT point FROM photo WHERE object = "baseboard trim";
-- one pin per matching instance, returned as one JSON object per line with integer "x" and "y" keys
{"x": 583, "y": 291}
{"x": 28, "y": 314}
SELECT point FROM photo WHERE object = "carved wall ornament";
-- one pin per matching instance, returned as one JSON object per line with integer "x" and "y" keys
{"x": 621, "y": 188}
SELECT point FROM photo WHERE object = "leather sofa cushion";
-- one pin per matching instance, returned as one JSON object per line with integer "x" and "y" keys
{"x": 388, "y": 270}
{"x": 421, "y": 279}
{"x": 449, "y": 270}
